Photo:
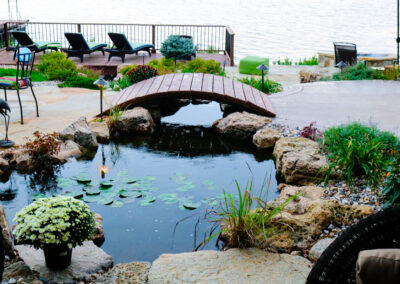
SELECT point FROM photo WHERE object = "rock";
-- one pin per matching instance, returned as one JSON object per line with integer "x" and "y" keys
{"x": 80, "y": 133}
{"x": 68, "y": 149}
{"x": 266, "y": 138}
{"x": 309, "y": 77}
{"x": 7, "y": 234}
{"x": 20, "y": 159}
{"x": 232, "y": 266}
{"x": 129, "y": 273}
{"x": 298, "y": 160}
{"x": 136, "y": 120}
{"x": 19, "y": 270}
{"x": 12, "y": 281}
{"x": 100, "y": 129}
{"x": 200, "y": 101}
{"x": 240, "y": 125}
{"x": 86, "y": 260}
{"x": 98, "y": 235}
{"x": 319, "y": 248}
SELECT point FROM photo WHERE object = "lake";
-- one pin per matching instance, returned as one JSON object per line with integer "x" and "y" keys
{"x": 293, "y": 28}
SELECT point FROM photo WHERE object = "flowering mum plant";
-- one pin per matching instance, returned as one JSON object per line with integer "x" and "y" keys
{"x": 60, "y": 220}
{"x": 140, "y": 73}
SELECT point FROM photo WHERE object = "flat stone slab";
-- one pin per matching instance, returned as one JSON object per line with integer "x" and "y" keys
{"x": 231, "y": 266}
{"x": 86, "y": 260}
{"x": 127, "y": 273}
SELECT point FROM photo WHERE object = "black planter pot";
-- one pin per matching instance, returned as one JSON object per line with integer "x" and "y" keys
{"x": 57, "y": 257}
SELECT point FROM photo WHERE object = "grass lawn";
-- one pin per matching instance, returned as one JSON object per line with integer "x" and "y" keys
{"x": 36, "y": 76}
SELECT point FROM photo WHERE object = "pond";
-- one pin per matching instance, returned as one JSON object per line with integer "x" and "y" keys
{"x": 179, "y": 167}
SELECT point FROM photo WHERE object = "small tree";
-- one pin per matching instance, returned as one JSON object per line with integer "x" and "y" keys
{"x": 177, "y": 47}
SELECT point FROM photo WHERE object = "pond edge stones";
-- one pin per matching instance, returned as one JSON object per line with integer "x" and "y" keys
{"x": 266, "y": 138}
{"x": 136, "y": 120}
{"x": 80, "y": 132}
{"x": 240, "y": 125}
{"x": 232, "y": 266}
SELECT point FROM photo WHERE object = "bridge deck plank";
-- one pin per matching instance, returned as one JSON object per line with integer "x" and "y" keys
{"x": 186, "y": 82}
{"x": 197, "y": 82}
{"x": 156, "y": 85}
{"x": 207, "y": 83}
{"x": 166, "y": 83}
{"x": 176, "y": 82}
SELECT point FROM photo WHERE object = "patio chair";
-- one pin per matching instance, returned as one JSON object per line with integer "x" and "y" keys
{"x": 24, "y": 40}
{"x": 22, "y": 80}
{"x": 78, "y": 46}
{"x": 346, "y": 52}
{"x": 121, "y": 46}
{"x": 337, "y": 263}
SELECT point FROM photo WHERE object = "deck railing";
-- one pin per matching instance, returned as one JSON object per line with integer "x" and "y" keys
{"x": 207, "y": 38}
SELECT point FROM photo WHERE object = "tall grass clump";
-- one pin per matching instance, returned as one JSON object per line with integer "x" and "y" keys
{"x": 305, "y": 61}
{"x": 269, "y": 85}
{"x": 360, "y": 151}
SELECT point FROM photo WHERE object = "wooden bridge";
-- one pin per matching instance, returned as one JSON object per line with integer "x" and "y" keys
{"x": 195, "y": 86}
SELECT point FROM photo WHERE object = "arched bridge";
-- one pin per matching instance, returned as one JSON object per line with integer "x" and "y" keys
{"x": 195, "y": 86}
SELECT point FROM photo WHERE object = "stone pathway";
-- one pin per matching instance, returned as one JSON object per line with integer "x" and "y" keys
{"x": 333, "y": 103}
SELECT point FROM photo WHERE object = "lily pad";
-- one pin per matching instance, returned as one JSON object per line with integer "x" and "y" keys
{"x": 37, "y": 196}
{"x": 168, "y": 198}
{"x": 83, "y": 179}
{"x": 129, "y": 180}
{"x": 117, "y": 204}
{"x": 149, "y": 178}
{"x": 91, "y": 198}
{"x": 74, "y": 194}
{"x": 129, "y": 193}
{"x": 106, "y": 184}
{"x": 65, "y": 182}
{"x": 210, "y": 201}
{"x": 147, "y": 200}
{"x": 191, "y": 205}
{"x": 92, "y": 191}
{"x": 109, "y": 194}
{"x": 105, "y": 200}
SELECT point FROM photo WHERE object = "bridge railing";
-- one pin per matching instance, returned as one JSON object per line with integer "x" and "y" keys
{"x": 207, "y": 38}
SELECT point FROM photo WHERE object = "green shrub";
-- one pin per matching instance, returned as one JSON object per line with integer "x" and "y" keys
{"x": 56, "y": 66}
{"x": 176, "y": 47}
{"x": 392, "y": 73}
{"x": 358, "y": 72}
{"x": 126, "y": 69}
{"x": 121, "y": 83}
{"x": 164, "y": 66}
{"x": 269, "y": 85}
{"x": 392, "y": 182}
{"x": 35, "y": 76}
{"x": 79, "y": 82}
{"x": 360, "y": 151}
{"x": 287, "y": 61}
{"x": 89, "y": 73}
{"x": 199, "y": 65}
{"x": 305, "y": 61}
{"x": 140, "y": 73}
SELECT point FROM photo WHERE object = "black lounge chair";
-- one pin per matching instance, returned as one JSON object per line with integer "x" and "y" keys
{"x": 337, "y": 263}
{"x": 24, "y": 40}
{"x": 122, "y": 46}
{"x": 78, "y": 46}
{"x": 346, "y": 52}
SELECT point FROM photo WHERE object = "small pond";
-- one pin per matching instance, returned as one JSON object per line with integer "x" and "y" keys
{"x": 183, "y": 164}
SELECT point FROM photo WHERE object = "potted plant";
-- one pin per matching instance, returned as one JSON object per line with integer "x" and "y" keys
{"x": 56, "y": 225}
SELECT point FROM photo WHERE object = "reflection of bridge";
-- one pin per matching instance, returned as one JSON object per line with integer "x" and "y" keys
{"x": 195, "y": 86}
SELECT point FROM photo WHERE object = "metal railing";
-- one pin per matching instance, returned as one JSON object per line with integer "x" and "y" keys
{"x": 208, "y": 38}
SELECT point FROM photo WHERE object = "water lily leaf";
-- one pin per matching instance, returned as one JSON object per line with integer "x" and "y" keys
{"x": 186, "y": 186}
{"x": 74, "y": 194}
{"x": 149, "y": 178}
{"x": 92, "y": 191}
{"x": 129, "y": 193}
{"x": 106, "y": 184}
{"x": 109, "y": 194}
{"x": 117, "y": 204}
{"x": 147, "y": 200}
{"x": 105, "y": 200}
{"x": 168, "y": 198}
{"x": 123, "y": 174}
{"x": 129, "y": 180}
{"x": 37, "y": 196}
{"x": 91, "y": 198}
{"x": 83, "y": 179}
{"x": 129, "y": 199}
{"x": 191, "y": 205}
{"x": 209, "y": 184}
{"x": 65, "y": 182}
{"x": 210, "y": 201}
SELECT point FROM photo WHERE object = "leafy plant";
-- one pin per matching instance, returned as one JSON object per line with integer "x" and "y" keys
{"x": 57, "y": 220}
{"x": 43, "y": 146}
{"x": 177, "y": 47}
{"x": 35, "y": 76}
{"x": 140, "y": 73}
{"x": 115, "y": 115}
{"x": 164, "y": 66}
{"x": 121, "y": 83}
{"x": 269, "y": 85}
{"x": 126, "y": 69}
{"x": 199, "y": 65}
{"x": 306, "y": 61}
{"x": 311, "y": 132}
{"x": 287, "y": 61}
{"x": 358, "y": 72}
{"x": 79, "y": 82}
{"x": 88, "y": 73}
{"x": 392, "y": 73}
{"x": 359, "y": 151}
{"x": 391, "y": 189}
{"x": 56, "y": 66}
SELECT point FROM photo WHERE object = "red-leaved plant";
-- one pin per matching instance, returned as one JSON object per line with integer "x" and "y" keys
{"x": 140, "y": 73}
{"x": 311, "y": 132}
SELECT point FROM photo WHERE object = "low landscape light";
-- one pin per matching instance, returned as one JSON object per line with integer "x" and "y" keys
{"x": 101, "y": 83}
{"x": 4, "y": 111}
{"x": 143, "y": 55}
{"x": 341, "y": 65}
{"x": 263, "y": 68}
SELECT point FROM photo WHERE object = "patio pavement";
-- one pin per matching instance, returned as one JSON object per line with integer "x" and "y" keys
{"x": 332, "y": 103}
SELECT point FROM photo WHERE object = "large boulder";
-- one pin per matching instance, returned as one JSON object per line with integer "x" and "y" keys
{"x": 136, "y": 120}
{"x": 240, "y": 125}
{"x": 86, "y": 260}
{"x": 101, "y": 130}
{"x": 319, "y": 247}
{"x": 7, "y": 234}
{"x": 4, "y": 168}
{"x": 298, "y": 160}
{"x": 98, "y": 234}
{"x": 80, "y": 132}
{"x": 129, "y": 273}
{"x": 19, "y": 158}
{"x": 232, "y": 266}
{"x": 68, "y": 149}
{"x": 266, "y": 138}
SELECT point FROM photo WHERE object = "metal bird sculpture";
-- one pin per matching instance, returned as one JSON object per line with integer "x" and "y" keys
{"x": 4, "y": 111}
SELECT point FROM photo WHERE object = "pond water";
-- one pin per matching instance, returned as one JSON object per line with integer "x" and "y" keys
{"x": 293, "y": 28}
{"x": 180, "y": 165}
